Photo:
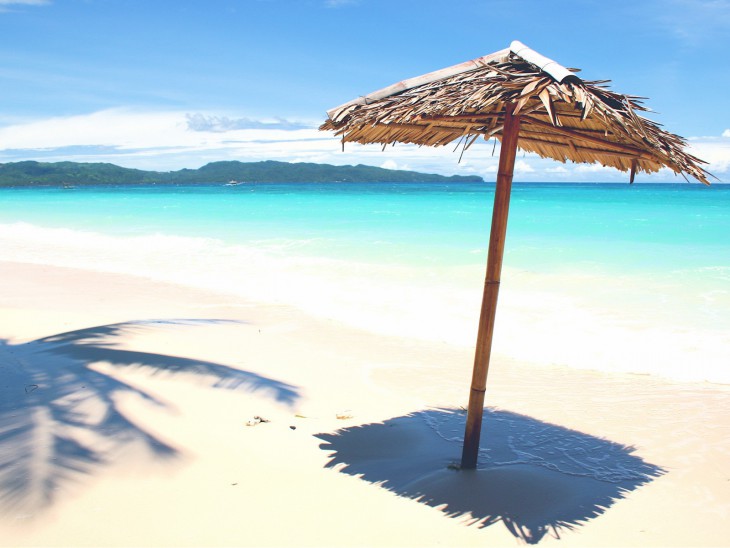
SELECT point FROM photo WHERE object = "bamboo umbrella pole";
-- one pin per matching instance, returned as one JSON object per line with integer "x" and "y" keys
{"x": 497, "y": 235}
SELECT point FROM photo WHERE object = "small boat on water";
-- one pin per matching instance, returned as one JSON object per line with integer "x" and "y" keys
{"x": 234, "y": 183}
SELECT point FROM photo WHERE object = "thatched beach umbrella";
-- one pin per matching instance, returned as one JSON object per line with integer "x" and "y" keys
{"x": 526, "y": 101}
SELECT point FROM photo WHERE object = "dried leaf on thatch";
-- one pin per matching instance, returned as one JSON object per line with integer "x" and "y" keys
{"x": 562, "y": 117}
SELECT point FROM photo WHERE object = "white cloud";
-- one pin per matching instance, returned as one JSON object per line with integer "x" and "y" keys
{"x": 133, "y": 133}
{"x": 8, "y": 6}
{"x": 522, "y": 167}
{"x": 339, "y": 3}
{"x": 171, "y": 140}
{"x": 715, "y": 151}
{"x": 12, "y": 5}
{"x": 24, "y": 2}
{"x": 592, "y": 168}
{"x": 110, "y": 127}
{"x": 203, "y": 122}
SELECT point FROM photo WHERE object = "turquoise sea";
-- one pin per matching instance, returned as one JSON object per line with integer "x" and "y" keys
{"x": 607, "y": 276}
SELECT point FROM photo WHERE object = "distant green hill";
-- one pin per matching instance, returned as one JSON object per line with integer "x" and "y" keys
{"x": 40, "y": 173}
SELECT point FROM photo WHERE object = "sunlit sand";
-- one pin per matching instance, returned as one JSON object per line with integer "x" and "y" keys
{"x": 124, "y": 411}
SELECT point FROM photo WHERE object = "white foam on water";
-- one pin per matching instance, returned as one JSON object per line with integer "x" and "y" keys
{"x": 576, "y": 319}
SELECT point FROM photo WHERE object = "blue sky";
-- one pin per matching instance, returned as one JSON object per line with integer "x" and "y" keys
{"x": 163, "y": 84}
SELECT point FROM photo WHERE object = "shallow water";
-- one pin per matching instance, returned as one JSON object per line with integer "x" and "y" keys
{"x": 612, "y": 277}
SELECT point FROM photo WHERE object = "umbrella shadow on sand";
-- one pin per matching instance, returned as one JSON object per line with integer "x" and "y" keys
{"x": 60, "y": 419}
{"x": 536, "y": 478}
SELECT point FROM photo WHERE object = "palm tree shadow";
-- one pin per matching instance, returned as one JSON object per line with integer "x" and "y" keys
{"x": 535, "y": 477}
{"x": 60, "y": 419}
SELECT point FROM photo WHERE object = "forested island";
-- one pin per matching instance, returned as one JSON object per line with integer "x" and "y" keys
{"x": 31, "y": 173}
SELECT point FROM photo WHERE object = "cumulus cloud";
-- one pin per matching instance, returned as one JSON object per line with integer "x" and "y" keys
{"x": 592, "y": 168}
{"x": 715, "y": 151}
{"x": 521, "y": 167}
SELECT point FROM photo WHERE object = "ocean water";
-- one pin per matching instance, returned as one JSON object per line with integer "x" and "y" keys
{"x": 629, "y": 278}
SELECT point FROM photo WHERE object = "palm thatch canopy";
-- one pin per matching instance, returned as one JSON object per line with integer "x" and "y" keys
{"x": 526, "y": 101}
{"x": 561, "y": 116}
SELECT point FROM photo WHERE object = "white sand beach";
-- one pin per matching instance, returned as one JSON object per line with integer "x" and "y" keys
{"x": 124, "y": 405}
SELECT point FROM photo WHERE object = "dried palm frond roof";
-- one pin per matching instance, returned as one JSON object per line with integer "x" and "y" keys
{"x": 561, "y": 116}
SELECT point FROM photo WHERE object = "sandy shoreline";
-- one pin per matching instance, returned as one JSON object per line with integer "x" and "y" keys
{"x": 150, "y": 447}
